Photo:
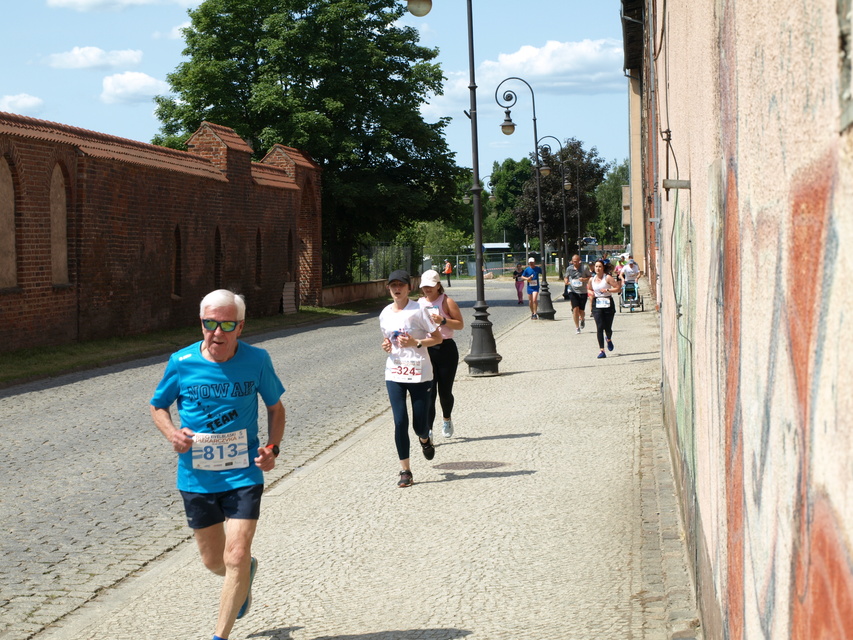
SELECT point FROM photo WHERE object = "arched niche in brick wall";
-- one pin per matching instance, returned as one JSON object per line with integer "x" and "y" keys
{"x": 8, "y": 235}
{"x": 259, "y": 260}
{"x": 218, "y": 260}
{"x": 58, "y": 226}
{"x": 177, "y": 263}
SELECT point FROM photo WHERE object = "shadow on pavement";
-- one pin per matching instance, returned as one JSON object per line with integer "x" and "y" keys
{"x": 411, "y": 634}
{"x": 478, "y": 475}
{"x": 463, "y": 439}
{"x": 275, "y": 634}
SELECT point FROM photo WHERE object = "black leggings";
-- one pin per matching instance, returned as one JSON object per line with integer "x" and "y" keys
{"x": 445, "y": 360}
{"x": 419, "y": 393}
{"x": 603, "y": 321}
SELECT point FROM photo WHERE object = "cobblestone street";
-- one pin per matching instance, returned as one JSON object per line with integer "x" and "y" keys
{"x": 550, "y": 514}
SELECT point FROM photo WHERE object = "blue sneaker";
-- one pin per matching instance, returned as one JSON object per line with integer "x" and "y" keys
{"x": 609, "y": 344}
{"x": 248, "y": 604}
{"x": 602, "y": 355}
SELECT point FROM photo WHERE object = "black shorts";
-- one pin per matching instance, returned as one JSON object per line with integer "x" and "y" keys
{"x": 207, "y": 509}
{"x": 578, "y": 301}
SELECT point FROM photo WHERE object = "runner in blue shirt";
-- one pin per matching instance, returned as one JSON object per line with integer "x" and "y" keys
{"x": 216, "y": 383}
{"x": 531, "y": 276}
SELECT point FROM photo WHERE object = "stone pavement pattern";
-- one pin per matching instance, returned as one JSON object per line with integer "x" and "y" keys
{"x": 551, "y": 514}
{"x": 88, "y": 494}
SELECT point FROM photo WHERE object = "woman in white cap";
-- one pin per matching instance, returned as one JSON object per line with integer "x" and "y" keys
{"x": 407, "y": 332}
{"x": 445, "y": 313}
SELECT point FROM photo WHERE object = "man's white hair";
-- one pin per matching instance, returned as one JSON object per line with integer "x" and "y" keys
{"x": 223, "y": 298}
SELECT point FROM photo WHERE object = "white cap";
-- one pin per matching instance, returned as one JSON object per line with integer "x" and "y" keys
{"x": 430, "y": 278}
{"x": 531, "y": 259}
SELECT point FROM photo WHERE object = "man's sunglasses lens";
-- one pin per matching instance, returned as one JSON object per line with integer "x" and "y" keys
{"x": 227, "y": 326}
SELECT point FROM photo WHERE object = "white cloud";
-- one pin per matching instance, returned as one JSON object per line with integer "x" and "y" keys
{"x": 94, "y": 58}
{"x": 114, "y": 5}
{"x": 98, "y": 5}
{"x": 588, "y": 67}
{"x": 131, "y": 87}
{"x": 175, "y": 34}
{"x": 22, "y": 103}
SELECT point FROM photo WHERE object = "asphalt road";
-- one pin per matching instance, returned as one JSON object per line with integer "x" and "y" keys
{"x": 88, "y": 492}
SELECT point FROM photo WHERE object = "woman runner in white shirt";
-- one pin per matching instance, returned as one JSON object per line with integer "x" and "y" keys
{"x": 599, "y": 288}
{"x": 445, "y": 356}
{"x": 407, "y": 331}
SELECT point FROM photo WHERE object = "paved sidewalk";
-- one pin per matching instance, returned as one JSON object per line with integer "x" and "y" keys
{"x": 550, "y": 515}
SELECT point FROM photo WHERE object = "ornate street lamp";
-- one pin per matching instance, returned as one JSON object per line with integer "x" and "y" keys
{"x": 484, "y": 358}
{"x": 565, "y": 187}
{"x": 546, "y": 308}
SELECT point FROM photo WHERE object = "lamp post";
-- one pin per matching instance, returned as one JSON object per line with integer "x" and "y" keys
{"x": 546, "y": 308}
{"x": 545, "y": 171}
{"x": 578, "y": 206}
{"x": 484, "y": 358}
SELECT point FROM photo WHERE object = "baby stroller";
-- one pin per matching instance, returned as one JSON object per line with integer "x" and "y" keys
{"x": 630, "y": 297}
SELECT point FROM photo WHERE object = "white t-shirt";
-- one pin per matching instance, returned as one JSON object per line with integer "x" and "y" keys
{"x": 407, "y": 364}
{"x": 437, "y": 306}
{"x": 630, "y": 272}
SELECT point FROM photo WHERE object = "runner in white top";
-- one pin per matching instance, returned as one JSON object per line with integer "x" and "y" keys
{"x": 407, "y": 331}
{"x": 445, "y": 356}
{"x": 599, "y": 288}
{"x": 630, "y": 272}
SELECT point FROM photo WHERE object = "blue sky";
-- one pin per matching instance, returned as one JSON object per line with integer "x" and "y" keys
{"x": 97, "y": 63}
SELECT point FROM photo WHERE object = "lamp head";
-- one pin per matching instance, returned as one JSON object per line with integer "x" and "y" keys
{"x": 466, "y": 199}
{"x": 419, "y": 8}
{"x": 567, "y": 185}
{"x": 508, "y": 126}
{"x": 544, "y": 171}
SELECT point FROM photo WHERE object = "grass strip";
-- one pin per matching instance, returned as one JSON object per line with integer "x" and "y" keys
{"x": 44, "y": 362}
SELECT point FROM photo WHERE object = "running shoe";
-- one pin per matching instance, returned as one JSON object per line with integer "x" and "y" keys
{"x": 405, "y": 479}
{"x": 583, "y": 323}
{"x": 248, "y": 604}
{"x": 578, "y": 330}
{"x": 609, "y": 344}
{"x": 446, "y": 429}
{"x": 601, "y": 354}
{"x": 428, "y": 449}
{"x": 533, "y": 316}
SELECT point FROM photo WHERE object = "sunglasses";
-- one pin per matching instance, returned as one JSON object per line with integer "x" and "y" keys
{"x": 227, "y": 325}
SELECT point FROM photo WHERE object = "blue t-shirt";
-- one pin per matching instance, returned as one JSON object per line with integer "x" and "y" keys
{"x": 219, "y": 397}
{"x": 532, "y": 285}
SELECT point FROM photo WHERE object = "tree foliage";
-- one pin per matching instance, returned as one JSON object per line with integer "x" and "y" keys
{"x": 506, "y": 183}
{"x": 339, "y": 79}
{"x": 608, "y": 226}
{"x": 584, "y": 170}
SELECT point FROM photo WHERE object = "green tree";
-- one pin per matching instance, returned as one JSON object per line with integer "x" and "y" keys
{"x": 584, "y": 170}
{"x": 339, "y": 79}
{"x": 507, "y": 184}
{"x": 608, "y": 225}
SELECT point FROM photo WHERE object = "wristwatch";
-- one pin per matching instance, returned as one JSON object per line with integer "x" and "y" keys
{"x": 418, "y": 344}
{"x": 443, "y": 321}
{"x": 275, "y": 449}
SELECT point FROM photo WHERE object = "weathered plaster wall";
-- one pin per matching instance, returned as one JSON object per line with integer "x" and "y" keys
{"x": 753, "y": 282}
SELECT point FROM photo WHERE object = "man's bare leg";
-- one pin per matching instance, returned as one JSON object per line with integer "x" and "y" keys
{"x": 227, "y": 551}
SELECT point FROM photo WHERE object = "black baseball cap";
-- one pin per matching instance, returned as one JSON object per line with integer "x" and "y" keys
{"x": 400, "y": 276}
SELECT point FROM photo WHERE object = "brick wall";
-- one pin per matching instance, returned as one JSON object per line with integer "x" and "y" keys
{"x": 127, "y": 201}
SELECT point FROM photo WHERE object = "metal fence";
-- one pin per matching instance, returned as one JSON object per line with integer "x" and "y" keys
{"x": 375, "y": 262}
{"x": 495, "y": 264}
{"x": 368, "y": 262}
